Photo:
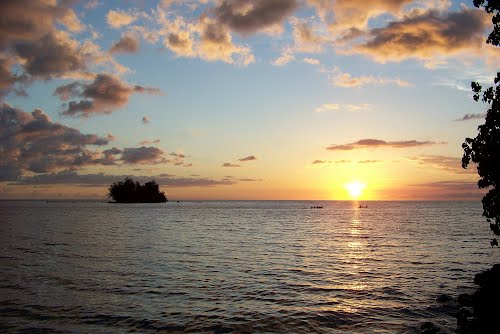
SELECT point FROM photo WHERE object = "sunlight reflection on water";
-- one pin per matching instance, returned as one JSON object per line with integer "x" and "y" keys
{"x": 236, "y": 266}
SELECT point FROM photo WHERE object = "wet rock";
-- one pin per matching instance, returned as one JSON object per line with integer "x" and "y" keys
{"x": 429, "y": 328}
{"x": 479, "y": 313}
{"x": 465, "y": 312}
{"x": 443, "y": 298}
{"x": 465, "y": 320}
{"x": 488, "y": 279}
{"x": 465, "y": 299}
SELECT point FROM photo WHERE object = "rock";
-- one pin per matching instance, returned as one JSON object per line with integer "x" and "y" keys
{"x": 479, "y": 312}
{"x": 489, "y": 278}
{"x": 429, "y": 328}
{"x": 443, "y": 298}
{"x": 465, "y": 312}
{"x": 465, "y": 299}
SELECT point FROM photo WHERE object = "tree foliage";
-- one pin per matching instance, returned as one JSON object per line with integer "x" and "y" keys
{"x": 484, "y": 149}
{"x": 128, "y": 191}
{"x": 492, "y": 7}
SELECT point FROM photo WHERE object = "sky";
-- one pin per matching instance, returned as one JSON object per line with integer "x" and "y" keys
{"x": 243, "y": 100}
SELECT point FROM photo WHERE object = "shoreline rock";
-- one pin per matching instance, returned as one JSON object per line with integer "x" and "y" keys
{"x": 478, "y": 312}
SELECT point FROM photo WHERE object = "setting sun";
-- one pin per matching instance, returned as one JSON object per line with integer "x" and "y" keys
{"x": 355, "y": 188}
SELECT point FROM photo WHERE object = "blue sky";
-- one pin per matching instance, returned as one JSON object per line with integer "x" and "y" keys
{"x": 282, "y": 99}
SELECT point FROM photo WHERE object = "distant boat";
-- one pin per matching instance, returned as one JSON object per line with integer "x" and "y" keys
{"x": 363, "y": 207}
{"x": 317, "y": 207}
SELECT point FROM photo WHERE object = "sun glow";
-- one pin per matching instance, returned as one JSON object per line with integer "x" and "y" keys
{"x": 355, "y": 188}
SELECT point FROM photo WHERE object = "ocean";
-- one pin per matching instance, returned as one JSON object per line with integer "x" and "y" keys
{"x": 237, "y": 266}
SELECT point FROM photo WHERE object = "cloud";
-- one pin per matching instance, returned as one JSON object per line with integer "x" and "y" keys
{"x": 205, "y": 38}
{"x": 118, "y": 19}
{"x": 181, "y": 43}
{"x": 216, "y": 44}
{"x": 133, "y": 155}
{"x": 369, "y": 161}
{"x": 345, "y": 15}
{"x": 468, "y": 117}
{"x": 285, "y": 57}
{"x": 103, "y": 95}
{"x": 72, "y": 22}
{"x": 249, "y": 17}
{"x": 452, "y": 165}
{"x": 146, "y": 120}
{"x": 31, "y": 142}
{"x": 178, "y": 155}
{"x": 7, "y": 78}
{"x": 228, "y": 164}
{"x": 126, "y": 44}
{"x": 53, "y": 55}
{"x": 427, "y": 34}
{"x": 343, "y": 79}
{"x": 179, "y": 159}
{"x": 143, "y": 155}
{"x": 456, "y": 190}
{"x": 349, "y": 107}
{"x": 27, "y": 20}
{"x": 305, "y": 40}
{"x": 91, "y": 4}
{"x": 328, "y": 107}
{"x": 311, "y": 61}
{"x": 37, "y": 38}
{"x": 103, "y": 180}
{"x": 147, "y": 142}
{"x": 374, "y": 143}
{"x": 320, "y": 162}
{"x": 249, "y": 158}
{"x": 249, "y": 180}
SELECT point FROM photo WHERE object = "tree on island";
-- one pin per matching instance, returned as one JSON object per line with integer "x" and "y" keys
{"x": 128, "y": 191}
{"x": 484, "y": 150}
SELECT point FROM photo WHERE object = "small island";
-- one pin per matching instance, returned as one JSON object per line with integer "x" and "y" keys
{"x": 128, "y": 191}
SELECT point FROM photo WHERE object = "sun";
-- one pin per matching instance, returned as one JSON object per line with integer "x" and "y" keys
{"x": 355, "y": 188}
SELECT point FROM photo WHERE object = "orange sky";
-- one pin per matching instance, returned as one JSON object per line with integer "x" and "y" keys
{"x": 241, "y": 100}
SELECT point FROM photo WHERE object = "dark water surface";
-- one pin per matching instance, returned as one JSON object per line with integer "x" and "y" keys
{"x": 247, "y": 266}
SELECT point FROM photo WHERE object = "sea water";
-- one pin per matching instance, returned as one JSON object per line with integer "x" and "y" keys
{"x": 231, "y": 266}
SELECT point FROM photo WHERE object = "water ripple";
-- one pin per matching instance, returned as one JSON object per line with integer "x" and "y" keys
{"x": 246, "y": 267}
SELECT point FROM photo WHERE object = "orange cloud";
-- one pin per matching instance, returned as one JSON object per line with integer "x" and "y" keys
{"x": 249, "y": 158}
{"x": 126, "y": 44}
{"x": 343, "y": 79}
{"x": 426, "y": 34}
{"x": 452, "y": 165}
{"x": 228, "y": 164}
{"x": 369, "y": 161}
{"x": 375, "y": 143}
{"x": 118, "y": 19}
{"x": 103, "y": 95}
{"x": 344, "y": 15}
{"x": 103, "y": 180}
{"x": 320, "y": 162}
{"x": 248, "y": 17}
{"x": 216, "y": 44}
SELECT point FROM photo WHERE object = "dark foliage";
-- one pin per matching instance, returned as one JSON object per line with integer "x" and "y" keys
{"x": 484, "y": 149}
{"x": 128, "y": 191}
{"x": 492, "y": 7}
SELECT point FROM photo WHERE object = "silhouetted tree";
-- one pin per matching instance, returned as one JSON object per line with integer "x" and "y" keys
{"x": 484, "y": 150}
{"x": 128, "y": 191}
